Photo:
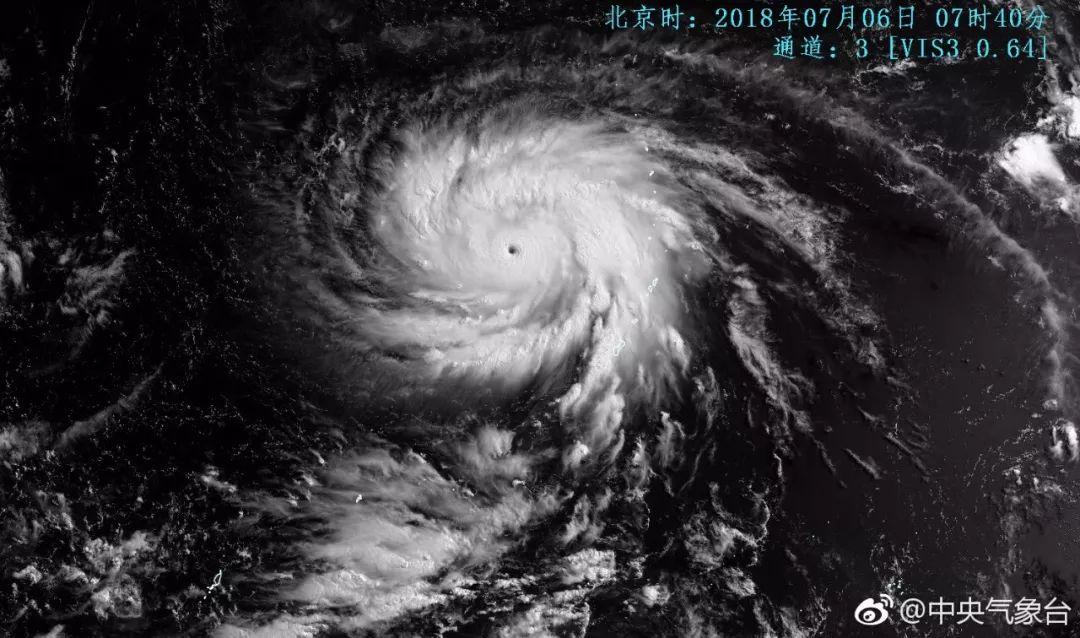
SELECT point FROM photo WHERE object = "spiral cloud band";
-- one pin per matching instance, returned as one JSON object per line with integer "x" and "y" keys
{"x": 574, "y": 293}
{"x": 516, "y": 250}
